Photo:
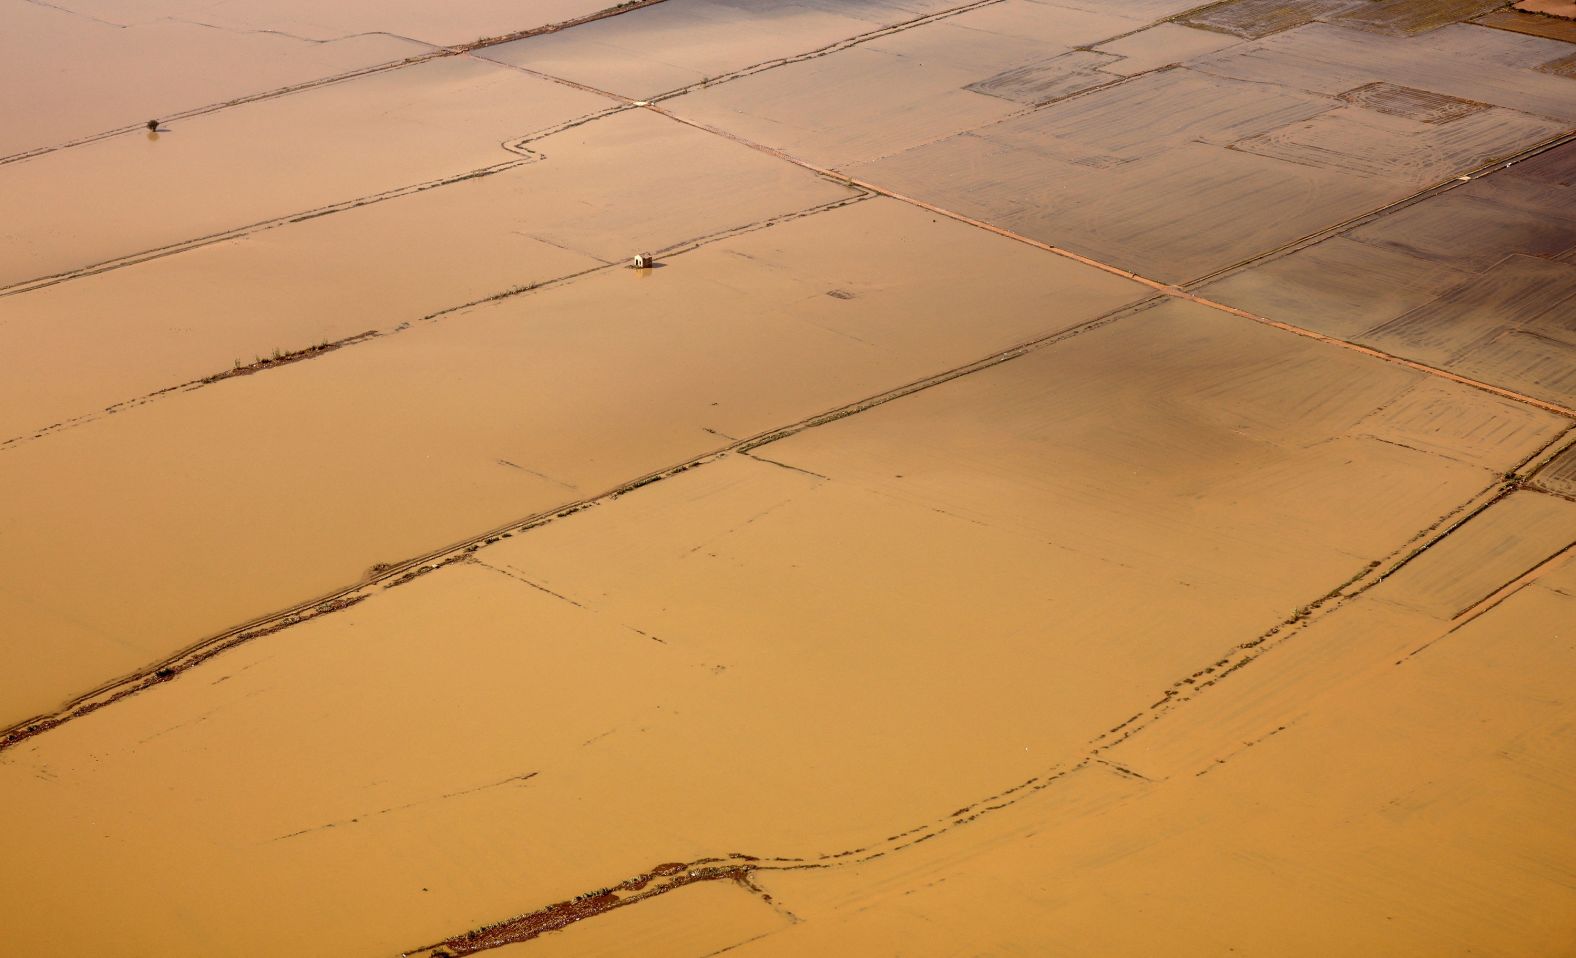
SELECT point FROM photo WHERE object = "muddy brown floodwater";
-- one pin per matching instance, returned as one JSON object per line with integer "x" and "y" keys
{"x": 1079, "y": 479}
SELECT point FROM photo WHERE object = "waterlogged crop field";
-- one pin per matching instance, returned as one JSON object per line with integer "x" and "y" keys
{"x": 1081, "y": 478}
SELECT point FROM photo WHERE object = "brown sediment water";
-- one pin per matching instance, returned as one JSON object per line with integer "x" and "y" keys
{"x": 409, "y": 258}
{"x": 1000, "y": 505}
{"x": 1076, "y": 479}
{"x": 512, "y": 395}
{"x": 175, "y": 187}
{"x": 186, "y": 63}
{"x": 72, "y": 76}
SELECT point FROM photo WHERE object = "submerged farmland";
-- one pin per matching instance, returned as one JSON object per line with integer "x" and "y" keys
{"x": 1075, "y": 478}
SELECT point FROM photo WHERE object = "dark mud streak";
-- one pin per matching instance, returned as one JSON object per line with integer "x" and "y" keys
{"x": 1514, "y": 479}
{"x": 628, "y": 6}
{"x": 783, "y": 465}
{"x": 1494, "y": 598}
{"x": 242, "y": 31}
{"x": 1500, "y": 492}
{"x": 1007, "y": 355}
{"x": 1245, "y": 746}
{"x": 511, "y": 573}
{"x": 77, "y": 13}
{"x": 356, "y": 820}
{"x": 1533, "y": 468}
{"x": 1511, "y": 585}
{"x": 659, "y": 880}
{"x": 281, "y": 359}
{"x": 1123, "y": 770}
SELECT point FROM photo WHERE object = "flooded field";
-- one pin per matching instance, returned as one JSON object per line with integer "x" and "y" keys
{"x": 1080, "y": 478}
